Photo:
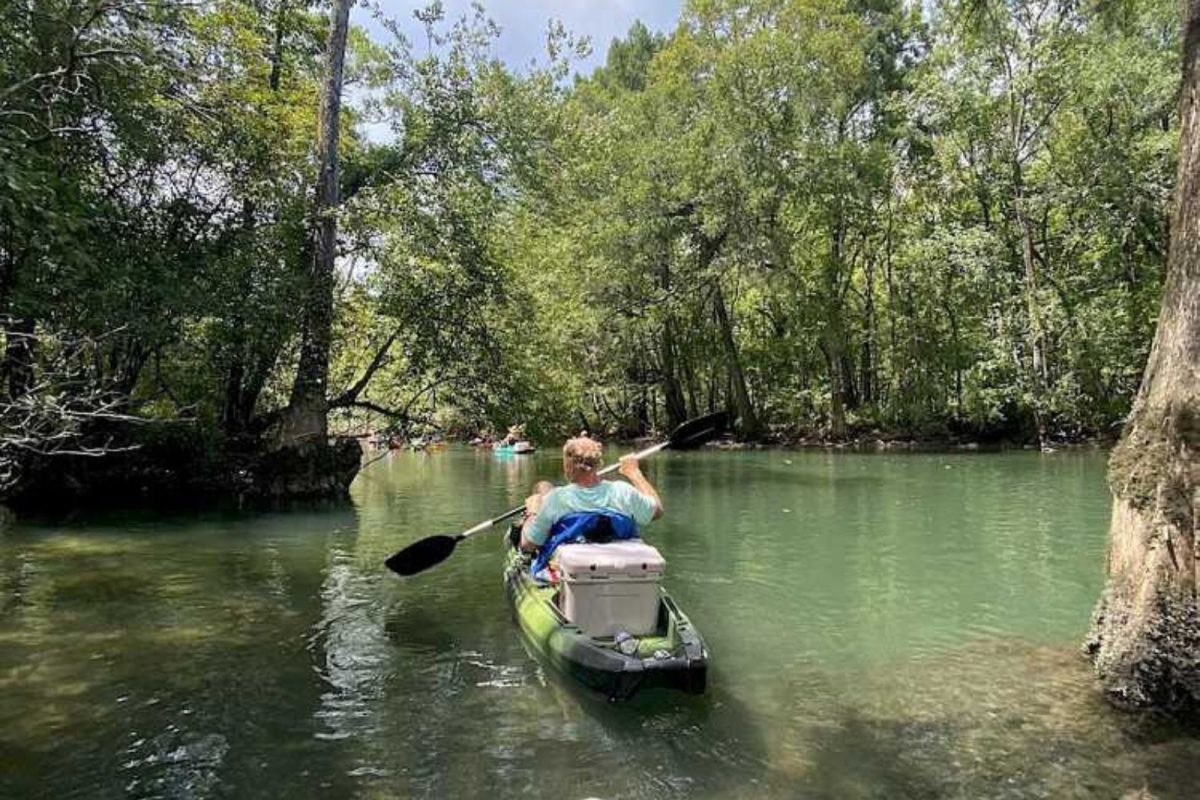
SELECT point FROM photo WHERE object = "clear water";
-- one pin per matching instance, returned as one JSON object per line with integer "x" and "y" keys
{"x": 881, "y": 626}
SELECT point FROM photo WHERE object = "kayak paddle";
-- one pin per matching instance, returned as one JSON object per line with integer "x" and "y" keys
{"x": 432, "y": 550}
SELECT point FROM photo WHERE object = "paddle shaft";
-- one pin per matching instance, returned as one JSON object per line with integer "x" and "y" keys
{"x": 483, "y": 526}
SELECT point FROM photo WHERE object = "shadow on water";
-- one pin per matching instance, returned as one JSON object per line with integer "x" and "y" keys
{"x": 863, "y": 757}
{"x": 180, "y": 514}
{"x": 668, "y": 744}
{"x": 716, "y": 747}
{"x": 417, "y": 627}
{"x": 996, "y": 719}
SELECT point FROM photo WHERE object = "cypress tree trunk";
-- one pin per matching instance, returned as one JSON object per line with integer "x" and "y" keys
{"x": 748, "y": 422}
{"x": 305, "y": 420}
{"x": 867, "y": 364}
{"x": 672, "y": 392}
{"x": 834, "y": 337}
{"x": 1145, "y": 638}
{"x": 676, "y": 407}
{"x": 748, "y": 418}
{"x": 831, "y": 346}
{"x": 1036, "y": 337}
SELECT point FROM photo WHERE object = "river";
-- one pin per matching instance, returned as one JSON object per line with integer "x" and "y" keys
{"x": 880, "y": 626}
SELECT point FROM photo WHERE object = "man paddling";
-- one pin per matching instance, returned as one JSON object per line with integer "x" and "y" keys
{"x": 588, "y": 503}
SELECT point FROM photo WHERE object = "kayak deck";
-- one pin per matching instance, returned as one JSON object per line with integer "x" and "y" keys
{"x": 673, "y": 656}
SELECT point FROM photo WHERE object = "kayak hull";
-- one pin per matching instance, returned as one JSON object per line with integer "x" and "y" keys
{"x": 675, "y": 657}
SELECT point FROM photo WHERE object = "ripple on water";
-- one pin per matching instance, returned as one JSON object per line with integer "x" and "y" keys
{"x": 177, "y": 763}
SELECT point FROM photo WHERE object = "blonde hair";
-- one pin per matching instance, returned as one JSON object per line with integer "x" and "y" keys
{"x": 582, "y": 453}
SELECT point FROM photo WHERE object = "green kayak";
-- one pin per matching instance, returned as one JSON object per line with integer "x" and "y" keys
{"x": 673, "y": 656}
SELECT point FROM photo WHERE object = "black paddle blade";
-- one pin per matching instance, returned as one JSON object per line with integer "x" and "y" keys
{"x": 696, "y": 432}
{"x": 421, "y": 555}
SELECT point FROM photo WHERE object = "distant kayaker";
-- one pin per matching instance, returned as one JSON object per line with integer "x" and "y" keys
{"x": 515, "y": 434}
{"x": 588, "y": 493}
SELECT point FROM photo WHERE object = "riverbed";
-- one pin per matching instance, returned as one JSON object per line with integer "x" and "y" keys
{"x": 880, "y": 626}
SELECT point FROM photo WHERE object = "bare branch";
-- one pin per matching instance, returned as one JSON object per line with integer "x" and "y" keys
{"x": 32, "y": 79}
{"x": 393, "y": 413}
{"x": 350, "y": 395}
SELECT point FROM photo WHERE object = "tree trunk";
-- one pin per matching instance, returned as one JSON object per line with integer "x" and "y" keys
{"x": 233, "y": 422}
{"x": 676, "y": 406}
{"x": 16, "y": 368}
{"x": 867, "y": 365}
{"x": 890, "y": 281}
{"x": 849, "y": 389}
{"x": 835, "y": 331}
{"x": 1145, "y": 638}
{"x": 277, "y": 48}
{"x": 16, "y": 360}
{"x": 837, "y": 392}
{"x": 748, "y": 421}
{"x": 672, "y": 391}
{"x": 956, "y": 345}
{"x": 693, "y": 393}
{"x": 751, "y": 427}
{"x": 305, "y": 419}
{"x": 1036, "y": 335}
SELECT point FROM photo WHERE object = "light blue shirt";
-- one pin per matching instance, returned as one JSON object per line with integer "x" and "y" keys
{"x": 615, "y": 496}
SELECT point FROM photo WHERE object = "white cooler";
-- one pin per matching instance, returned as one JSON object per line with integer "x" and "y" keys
{"x": 611, "y": 587}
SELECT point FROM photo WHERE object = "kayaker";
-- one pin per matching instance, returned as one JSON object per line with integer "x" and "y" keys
{"x": 636, "y": 501}
{"x": 515, "y": 434}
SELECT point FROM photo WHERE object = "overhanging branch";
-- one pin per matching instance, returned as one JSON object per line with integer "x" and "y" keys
{"x": 349, "y": 396}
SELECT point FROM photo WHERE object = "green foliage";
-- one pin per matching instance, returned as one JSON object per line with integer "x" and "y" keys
{"x": 857, "y": 184}
{"x": 158, "y": 158}
{"x": 826, "y": 215}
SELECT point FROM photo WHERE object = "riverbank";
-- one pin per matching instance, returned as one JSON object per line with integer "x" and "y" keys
{"x": 879, "y": 442}
{"x": 183, "y": 471}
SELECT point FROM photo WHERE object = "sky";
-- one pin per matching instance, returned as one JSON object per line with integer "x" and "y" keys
{"x": 523, "y": 23}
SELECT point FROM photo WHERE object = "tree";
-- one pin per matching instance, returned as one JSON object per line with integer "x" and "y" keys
{"x": 305, "y": 421}
{"x": 1145, "y": 639}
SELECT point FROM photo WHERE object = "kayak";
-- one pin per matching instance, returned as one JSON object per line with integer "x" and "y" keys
{"x": 516, "y": 448}
{"x": 672, "y": 656}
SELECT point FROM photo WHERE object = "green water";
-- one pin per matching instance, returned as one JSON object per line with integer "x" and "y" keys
{"x": 881, "y": 626}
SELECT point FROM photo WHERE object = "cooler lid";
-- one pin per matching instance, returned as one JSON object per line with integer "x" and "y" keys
{"x": 630, "y": 558}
